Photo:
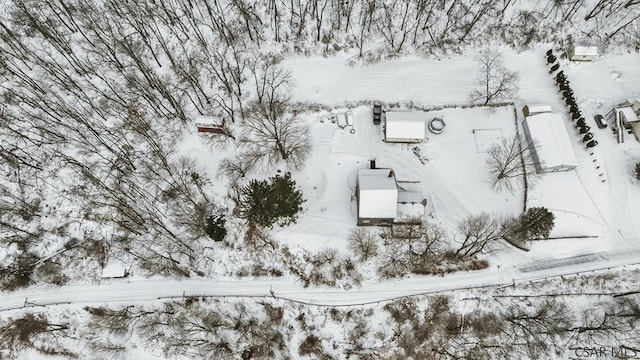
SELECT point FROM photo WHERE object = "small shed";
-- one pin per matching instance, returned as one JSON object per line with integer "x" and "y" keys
{"x": 114, "y": 269}
{"x": 553, "y": 151}
{"x": 210, "y": 124}
{"x": 377, "y": 196}
{"x": 404, "y": 126}
{"x": 532, "y": 109}
{"x": 582, "y": 52}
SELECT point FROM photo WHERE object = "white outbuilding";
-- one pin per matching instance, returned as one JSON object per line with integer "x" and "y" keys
{"x": 210, "y": 124}
{"x": 377, "y": 194}
{"x": 114, "y": 269}
{"x": 582, "y": 52}
{"x": 553, "y": 150}
{"x": 532, "y": 109}
{"x": 404, "y": 126}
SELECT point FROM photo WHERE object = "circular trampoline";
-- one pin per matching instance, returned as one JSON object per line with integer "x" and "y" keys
{"x": 436, "y": 125}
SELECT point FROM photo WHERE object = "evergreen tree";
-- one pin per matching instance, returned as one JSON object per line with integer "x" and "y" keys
{"x": 536, "y": 222}
{"x": 264, "y": 203}
{"x": 637, "y": 171}
{"x": 214, "y": 227}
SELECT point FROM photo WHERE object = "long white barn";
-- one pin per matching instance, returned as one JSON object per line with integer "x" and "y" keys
{"x": 553, "y": 150}
{"x": 404, "y": 126}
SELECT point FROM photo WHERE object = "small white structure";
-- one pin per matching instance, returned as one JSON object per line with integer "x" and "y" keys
{"x": 114, "y": 269}
{"x": 553, "y": 151}
{"x": 377, "y": 194}
{"x": 210, "y": 124}
{"x": 404, "y": 126}
{"x": 582, "y": 52}
{"x": 533, "y": 109}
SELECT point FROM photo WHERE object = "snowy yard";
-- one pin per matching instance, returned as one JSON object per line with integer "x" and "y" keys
{"x": 453, "y": 177}
{"x": 593, "y": 205}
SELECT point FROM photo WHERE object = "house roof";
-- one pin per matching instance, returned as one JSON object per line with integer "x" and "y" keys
{"x": 410, "y": 197}
{"x": 553, "y": 145}
{"x": 205, "y": 121}
{"x": 378, "y": 194}
{"x": 405, "y": 125}
{"x": 585, "y": 50}
{"x": 114, "y": 269}
{"x": 629, "y": 114}
{"x": 377, "y": 179}
{"x": 538, "y": 108}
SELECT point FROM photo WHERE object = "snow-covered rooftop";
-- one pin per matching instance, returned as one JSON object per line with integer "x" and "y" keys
{"x": 532, "y": 109}
{"x": 377, "y": 179}
{"x": 378, "y": 194}
{"x": 553, "y": 145}
{"x": 585, "y": 50}
{"x": 209, "y": 121}
{"x": 405, "y": 125}
{"x": 628, "y": 113}
{"x": 114, "y": 269}
{"x": 410, "y": 197}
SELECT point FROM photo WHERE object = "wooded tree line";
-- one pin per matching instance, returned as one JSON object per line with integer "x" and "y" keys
{"x": 504, "y": 326}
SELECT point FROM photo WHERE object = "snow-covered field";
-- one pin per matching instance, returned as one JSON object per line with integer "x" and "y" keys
{"x": 594, "y": 203}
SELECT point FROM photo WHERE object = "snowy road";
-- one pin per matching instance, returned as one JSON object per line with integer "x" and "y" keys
{"x": 123, "y": 291}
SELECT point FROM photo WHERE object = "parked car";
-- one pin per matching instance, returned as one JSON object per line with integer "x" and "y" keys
{"x": 377, "y": 113}
{"x": 600, "y": 121}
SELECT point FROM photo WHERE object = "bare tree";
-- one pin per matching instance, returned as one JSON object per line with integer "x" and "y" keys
{"x": 363, "y": 244}
{"x": 271, "y": 131}
{"x": 479, "y": 233}
{"x": 536, "y": 331}
{"x": 412, "y": 248}
{"x": 496, "y": 81}
{"x": 215, "y": 331}
{"x": 509, "y": 163}
{"x": 427, "y": 249}
{"x": 234, "y": 168}
{"x": 119, "y": 321}
{"x": 108, "y": 349}
{"x": 34, "y": 331}
{"x": 395, "y": 260}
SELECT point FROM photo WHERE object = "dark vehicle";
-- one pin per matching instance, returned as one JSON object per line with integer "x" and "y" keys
{"x": 377, "y": 113}
{"x": 600, "y": 122}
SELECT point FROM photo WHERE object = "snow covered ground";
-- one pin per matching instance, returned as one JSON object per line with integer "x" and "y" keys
{"x": 593, "y": 205}
{"x": 452, "y": 178}
{"x": 122, "y": 291}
